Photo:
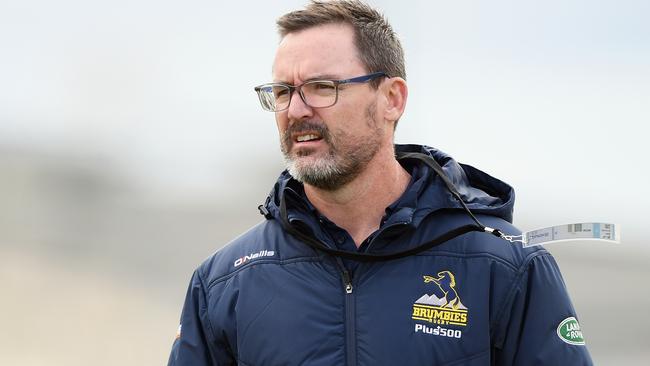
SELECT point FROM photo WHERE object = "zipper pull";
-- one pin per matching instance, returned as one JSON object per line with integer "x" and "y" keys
{"x": 347, "y": 282}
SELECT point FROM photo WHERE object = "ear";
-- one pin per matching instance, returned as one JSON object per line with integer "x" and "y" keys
{"x": 396, "y": 93}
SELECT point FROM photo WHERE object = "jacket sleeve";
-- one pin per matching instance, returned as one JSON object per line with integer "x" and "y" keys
{"x": 194, "y": 344}
{"x": 538, "y": 304}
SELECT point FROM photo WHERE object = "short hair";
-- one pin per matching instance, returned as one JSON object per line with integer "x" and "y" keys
{"x": 379, "y": 47}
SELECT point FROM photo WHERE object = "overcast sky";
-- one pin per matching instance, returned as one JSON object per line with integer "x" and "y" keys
{"x": 551, "y": 96}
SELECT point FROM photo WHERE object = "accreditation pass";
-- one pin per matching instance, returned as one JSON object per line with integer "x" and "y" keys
{"x": 582, "y": 231}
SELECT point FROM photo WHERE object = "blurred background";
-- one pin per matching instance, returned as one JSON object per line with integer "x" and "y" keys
{"x": 132, "y": 147}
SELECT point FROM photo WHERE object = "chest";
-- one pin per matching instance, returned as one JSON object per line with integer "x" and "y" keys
{"x": 420, "y": 310}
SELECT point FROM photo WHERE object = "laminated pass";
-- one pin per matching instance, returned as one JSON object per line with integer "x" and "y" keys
{"x": 570, "y": 232}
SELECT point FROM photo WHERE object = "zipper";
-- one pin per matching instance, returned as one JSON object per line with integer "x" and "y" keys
{"x": 350, "y": 304}
{"x": 350, "y": 316}
{"x": 347, "y": 282}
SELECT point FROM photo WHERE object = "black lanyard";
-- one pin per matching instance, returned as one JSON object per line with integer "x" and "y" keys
{"x": 370, "y": 257}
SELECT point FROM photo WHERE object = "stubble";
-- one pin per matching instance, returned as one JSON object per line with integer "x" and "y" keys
{"x": 346, "y": 157}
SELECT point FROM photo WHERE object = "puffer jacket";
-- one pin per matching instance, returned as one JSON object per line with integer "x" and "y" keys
{"x": 266, "y": 298}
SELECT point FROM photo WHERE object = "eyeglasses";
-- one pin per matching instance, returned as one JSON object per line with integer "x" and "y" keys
{"x": 275, "y": 97}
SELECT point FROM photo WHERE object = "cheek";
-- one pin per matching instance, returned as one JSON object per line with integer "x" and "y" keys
{"x": 349, "y": 120}
{"x": 353, "y": 108}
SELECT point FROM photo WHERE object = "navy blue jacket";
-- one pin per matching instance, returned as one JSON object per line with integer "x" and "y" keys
{"x": 268, "y": 299}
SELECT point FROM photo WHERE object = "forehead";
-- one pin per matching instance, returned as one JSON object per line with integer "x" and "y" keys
{"x": 325, "y": 50}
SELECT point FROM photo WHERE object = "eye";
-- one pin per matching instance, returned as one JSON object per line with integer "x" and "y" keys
{"x": 323, "y": 85}
{"x": 280, "y": 91}
{"x": 320, "y": 88}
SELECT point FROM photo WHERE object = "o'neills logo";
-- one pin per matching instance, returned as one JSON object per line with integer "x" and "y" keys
{"x": 443, "y": 308}
{"x": 246, "y": 258}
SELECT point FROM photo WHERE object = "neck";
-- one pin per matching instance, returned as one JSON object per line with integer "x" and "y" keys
{"x": 359, "y": 206}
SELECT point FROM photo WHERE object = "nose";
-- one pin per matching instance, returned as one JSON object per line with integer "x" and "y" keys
{"x": 298, "y": 110}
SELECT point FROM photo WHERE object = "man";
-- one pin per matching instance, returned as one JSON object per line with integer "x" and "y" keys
{"x": 368, "y": 254}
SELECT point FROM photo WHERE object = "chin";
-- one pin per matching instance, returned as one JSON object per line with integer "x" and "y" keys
{"x": 305, "y": 152}
{"x": 309, "y": 161}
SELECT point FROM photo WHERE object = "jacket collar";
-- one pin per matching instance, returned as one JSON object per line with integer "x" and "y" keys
{"x": 425, "y": 194}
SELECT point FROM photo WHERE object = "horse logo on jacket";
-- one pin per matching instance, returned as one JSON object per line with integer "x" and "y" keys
{"x": 443, "y": 305}
{"x": 446, "y": 281}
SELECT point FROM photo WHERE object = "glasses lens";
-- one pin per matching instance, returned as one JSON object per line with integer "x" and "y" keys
{"x": 274, "y": 97}
{"x": 281, "y": 96}
{"x": 265, "y": 93}
{"x": 319, "y": 93}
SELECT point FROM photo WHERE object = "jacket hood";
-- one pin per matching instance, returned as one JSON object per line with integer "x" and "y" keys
{"x": 426, "y": 193}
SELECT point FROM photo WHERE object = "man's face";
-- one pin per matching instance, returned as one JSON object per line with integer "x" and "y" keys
{"x": 327, "y": 147}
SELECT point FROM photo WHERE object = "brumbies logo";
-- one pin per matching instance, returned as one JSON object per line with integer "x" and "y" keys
{"x": 443, "y": 306}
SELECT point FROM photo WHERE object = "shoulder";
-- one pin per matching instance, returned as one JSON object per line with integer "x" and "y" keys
{"x": 482, "y": 245}
{"x": 264, "y": 243}
{"x": 512, "y": 252}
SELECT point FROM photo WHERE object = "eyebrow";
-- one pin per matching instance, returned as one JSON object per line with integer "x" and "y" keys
{"x": 316, "y": 77}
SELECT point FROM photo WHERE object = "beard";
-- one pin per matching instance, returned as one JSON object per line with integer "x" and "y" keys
{"x": 345, "y": 159}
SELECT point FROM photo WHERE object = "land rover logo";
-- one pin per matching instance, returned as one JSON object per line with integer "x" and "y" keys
{"x": 569, "y": 331}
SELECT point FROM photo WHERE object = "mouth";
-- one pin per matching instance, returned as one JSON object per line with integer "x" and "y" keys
{"x": 304, "y": 138}
{"x": 307, "y": 137}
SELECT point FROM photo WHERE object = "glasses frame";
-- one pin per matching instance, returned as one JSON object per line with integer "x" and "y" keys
{"x": 292, "y": 88}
